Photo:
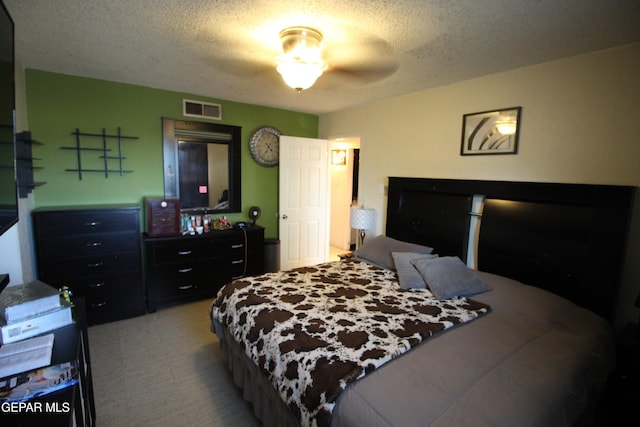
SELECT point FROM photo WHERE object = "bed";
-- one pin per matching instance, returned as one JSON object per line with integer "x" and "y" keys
{"x": 507, "y": 321}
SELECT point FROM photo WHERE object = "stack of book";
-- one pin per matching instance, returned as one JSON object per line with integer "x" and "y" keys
{"x": 27, "y": 313}
{"x": 25, "y": 355}
{"x": 31, "y": 309}
{"x": 26, "y": 371}
{"x": 38, "y": 382}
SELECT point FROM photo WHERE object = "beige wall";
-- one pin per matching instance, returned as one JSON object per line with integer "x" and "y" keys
{"x": 580, "y": 124}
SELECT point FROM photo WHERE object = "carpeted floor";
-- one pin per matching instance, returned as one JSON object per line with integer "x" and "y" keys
{"x": 164, "y": 369}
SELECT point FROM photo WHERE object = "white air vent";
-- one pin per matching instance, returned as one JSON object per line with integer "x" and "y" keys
{"x": 201, "y": 109}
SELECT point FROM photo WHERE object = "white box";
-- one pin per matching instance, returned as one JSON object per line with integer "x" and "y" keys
{"x": 36, "y": 325}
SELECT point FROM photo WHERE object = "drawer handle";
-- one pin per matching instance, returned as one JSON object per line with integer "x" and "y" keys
{"x": 237, "y": 246}
{"x": 185, "y": 287}
{"x": 92, "y": 223}
{"x": 93, "y": 244}
{"x": 96, "y": 285}
{"x": 97, "y": 264}
{"x": 238, "y": 261}
{"x": 184, "y": 252}
{"x": 99, "y": 304}
{"x": 185, "y": 270}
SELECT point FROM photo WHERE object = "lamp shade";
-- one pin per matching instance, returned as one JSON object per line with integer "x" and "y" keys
{"x": 362, "y": 219}
{"x": 300, "y": 75}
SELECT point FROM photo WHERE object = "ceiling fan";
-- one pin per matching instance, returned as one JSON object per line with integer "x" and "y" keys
{"x": 305, "y": 58}
{"x": 349, "y": 58}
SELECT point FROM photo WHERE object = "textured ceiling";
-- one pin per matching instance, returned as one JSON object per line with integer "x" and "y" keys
{"x": 375, "y": 48}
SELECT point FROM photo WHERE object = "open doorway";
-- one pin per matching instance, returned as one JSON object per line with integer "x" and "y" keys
{"x": 345, "y": 165}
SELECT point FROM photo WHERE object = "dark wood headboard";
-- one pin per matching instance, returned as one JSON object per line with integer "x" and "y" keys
{"x": 567, "y": 238}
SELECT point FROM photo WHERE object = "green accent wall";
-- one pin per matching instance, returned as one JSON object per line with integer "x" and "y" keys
{"x": 58, "y": 104}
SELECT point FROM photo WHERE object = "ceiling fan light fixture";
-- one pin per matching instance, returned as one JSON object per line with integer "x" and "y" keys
{"x": 301, "y": 63}
{"x": 299, "y": 75}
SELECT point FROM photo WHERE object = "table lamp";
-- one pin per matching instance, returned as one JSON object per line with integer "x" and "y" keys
{"x": 362, "y": 219}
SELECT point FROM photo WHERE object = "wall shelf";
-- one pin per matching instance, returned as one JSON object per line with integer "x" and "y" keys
{"x": 24, "y": 163}
{"x": 105, "y": 150}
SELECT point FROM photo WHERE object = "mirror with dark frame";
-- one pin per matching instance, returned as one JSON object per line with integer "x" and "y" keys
{"x": 8, "y": 193}
{"x": 202, "y": 165}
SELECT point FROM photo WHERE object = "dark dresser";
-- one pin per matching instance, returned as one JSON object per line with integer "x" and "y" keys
{"x": 182, "y": 268}
{"x": 96, "y": 252}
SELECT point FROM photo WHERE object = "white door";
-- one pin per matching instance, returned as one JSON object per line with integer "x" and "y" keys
{"x": 304, "y": 201}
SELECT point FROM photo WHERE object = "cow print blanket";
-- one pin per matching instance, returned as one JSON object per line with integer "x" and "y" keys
{"x": 314, "y": 330}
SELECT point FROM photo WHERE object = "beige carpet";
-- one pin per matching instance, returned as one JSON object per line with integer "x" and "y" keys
{"x": 164, "y": 369}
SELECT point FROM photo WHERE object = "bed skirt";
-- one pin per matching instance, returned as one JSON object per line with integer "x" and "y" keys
{"x": 267, "y": 404}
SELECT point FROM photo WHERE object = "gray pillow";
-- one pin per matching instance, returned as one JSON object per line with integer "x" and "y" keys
{"x": 449, "y": 277}
{"x": 378, "y": 250}
{"x": 408, "y": 276}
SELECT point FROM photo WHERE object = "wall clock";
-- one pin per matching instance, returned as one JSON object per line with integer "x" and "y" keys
{"x": 264, "y": 145}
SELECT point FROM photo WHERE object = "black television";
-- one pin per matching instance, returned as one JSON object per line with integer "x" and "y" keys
{"x": 8, "y": 193}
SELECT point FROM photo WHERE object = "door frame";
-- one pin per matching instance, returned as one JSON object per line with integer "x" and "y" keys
{"x": 342, "y": 235}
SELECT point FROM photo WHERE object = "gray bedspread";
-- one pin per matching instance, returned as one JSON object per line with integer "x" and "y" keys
{"x": 535, "y": 360}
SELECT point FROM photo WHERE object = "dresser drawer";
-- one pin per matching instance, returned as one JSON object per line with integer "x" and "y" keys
{"x": 108, "y": 308}
{"x": 189, "y": 285}
{"x": 65, "y": 223}
{"x": 237, "y": 267}
{"x": 179, "y": 251}
{"x": 108, "y": 297}
{"x": 89, "y": 245}
{"x": 90, "y": 266}
{"x": 169, "y": 290}
{"x": 237, "y": 248}
{"x": 124, "y": 284}
{"x": 203, "y": 268}
{"x": 237, "y": 258}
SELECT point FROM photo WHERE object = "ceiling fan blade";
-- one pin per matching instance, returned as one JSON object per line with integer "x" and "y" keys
{"x": 364, "y": 73}
{"x": 365, "y": 59}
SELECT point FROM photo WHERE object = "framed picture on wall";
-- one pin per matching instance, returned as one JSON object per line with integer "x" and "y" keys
{"x": 491, "y": 132}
